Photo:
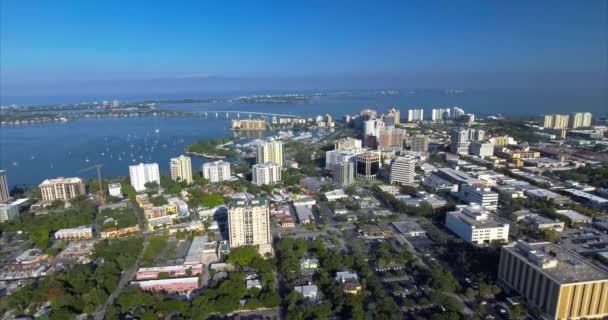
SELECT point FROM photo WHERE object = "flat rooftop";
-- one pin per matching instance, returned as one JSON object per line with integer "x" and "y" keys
{"x": 457, "y": 175}
{"x": 61, "y": 180}
{"x": 407, "y": 226}
{"x": 477, "y": 216}
{"x": 590, "y": 197}
{"x": 562, "y": 265}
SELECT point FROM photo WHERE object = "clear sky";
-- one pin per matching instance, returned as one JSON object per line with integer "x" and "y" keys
{"x": 63, "y": 47}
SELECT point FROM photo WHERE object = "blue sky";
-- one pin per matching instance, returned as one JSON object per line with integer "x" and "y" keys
{"x": 64, "y": 47}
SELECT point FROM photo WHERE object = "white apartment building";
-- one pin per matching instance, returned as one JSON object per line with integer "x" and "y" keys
{"x": 457, "y": 112}
{"x": 181, "y": 169}
{"x": 372, "y": 127}
{"x": 216, "y": 171}
{"x": 8, "y": 211}
{"x": 440, "y": 114}
{"x": 4, "y": 194}
{"x": 403, "y": 170}
{"x": 474, "y": 224}
{"x": 62, "y": 189}
{"x": 270, "y": 151}
{"x": 265, "y": 173}
{"x": 143, "y": 173}
{"x": 483, "y": 196}
{"x": 249, "y": 224}
{"x": 414, "y": 115}
{"x": 481, "y": 149}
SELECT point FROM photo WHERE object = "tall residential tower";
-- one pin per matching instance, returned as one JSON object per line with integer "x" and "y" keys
{"x": 181, "y": 169}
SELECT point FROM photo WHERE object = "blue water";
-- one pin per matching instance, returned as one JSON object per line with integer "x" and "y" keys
{"x": 32, "y": 153}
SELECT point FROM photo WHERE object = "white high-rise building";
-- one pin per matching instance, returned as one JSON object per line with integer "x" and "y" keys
{"x": 143, "y": 173}
{"x": 372, "y": 127}
{"x": 459, "y": 141}
{"x": 270, "y": 151}
{"x": 415, "y": 115}
{"x": 249, "y": 225}
{"x": 216, "y": 171}
{"x": 343, "y": 173}
{"x": 181, "y": 169}
{"x": 482, "y": 149}
{"x": 334, "y": 156}
{"x": 457, "y": 113}
{"x": 4, "y": 194}
{"x": 265, "y": 173}
{"x": 440, "y": 114}
{"x": 403, "y": 170}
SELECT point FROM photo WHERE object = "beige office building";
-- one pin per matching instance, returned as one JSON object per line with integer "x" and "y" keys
{"x": 347, "y": 143}
{"x": 181, "y": 169}
{"x": 249, "y": 225}
{"x": 553, "y": 279}
{"x": 270, "y": 151}
{"x": 62, "y": 189}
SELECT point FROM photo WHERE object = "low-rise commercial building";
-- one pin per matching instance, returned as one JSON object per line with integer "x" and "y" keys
{"x": 544, "y": 194}
{"x": 335, "y": 195}
{"x": 80, "y": 233}
{"x": 304, "y": 214}
{"x": 574, "y": 216}
{"x": 10, "y": 210}
{"x": 115, "y": 190}
{"x": 539, "y": 222}
{"x": 409, "y": 228}
{"x": 169, "y": 271}
{"x": 483, "y": 196}
{"x": 180, "y": 286}
{"x": 589, "y": 199}
{"x": 474, "y": 224}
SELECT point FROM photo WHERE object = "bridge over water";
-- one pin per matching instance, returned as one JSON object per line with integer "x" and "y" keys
{"x": 238, "y": 113}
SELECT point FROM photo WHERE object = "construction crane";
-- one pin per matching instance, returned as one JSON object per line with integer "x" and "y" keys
{"x": 98, "y": 167}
